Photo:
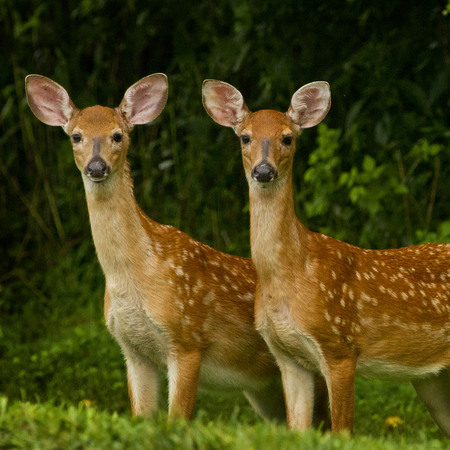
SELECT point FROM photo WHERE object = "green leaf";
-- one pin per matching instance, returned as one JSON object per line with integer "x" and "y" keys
{"x": 368, "y": 163}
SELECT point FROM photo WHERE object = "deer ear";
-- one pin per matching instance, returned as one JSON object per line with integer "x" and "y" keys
{"x": 49, "y": 101}
{"x": 144, "y": 101}
{"x": 224, "y": 103}
{"x": 310, "y": 104}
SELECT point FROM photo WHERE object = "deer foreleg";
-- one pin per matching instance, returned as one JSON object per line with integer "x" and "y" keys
{"x": 183, "y": 372}
{"x": 298, "y": 386}
{"x": 341, "y": 388}
{"x": 143, "y": 387}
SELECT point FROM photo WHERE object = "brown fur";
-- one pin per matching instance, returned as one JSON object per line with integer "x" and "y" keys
{"x": 326, "y": 306}
{"x": 172, "y": 303}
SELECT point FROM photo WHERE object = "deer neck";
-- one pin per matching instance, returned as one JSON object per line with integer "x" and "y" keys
{"x": 276, "y": 234}
{"x": 121, "y": 241}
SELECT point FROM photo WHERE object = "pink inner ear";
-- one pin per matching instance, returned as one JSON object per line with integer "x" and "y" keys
{"x": 224, "y": 103}
{"x": 225, "y": 114}
{"x": 144, "y": 102}
{"x": 309, "y": 106}
{"x": 225, "y": 93}
{"x": 142, "y": 108}
{"x": 49, "y": 104}
{"x": 53, "y": 104}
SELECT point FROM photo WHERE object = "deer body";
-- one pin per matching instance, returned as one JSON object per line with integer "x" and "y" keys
{"x": 326, "y": 306}
{"x": 172, "y": 303}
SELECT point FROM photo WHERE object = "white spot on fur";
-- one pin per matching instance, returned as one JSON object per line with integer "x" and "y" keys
{"x": 180, "y": 305}
{"x": 208, "y": 298}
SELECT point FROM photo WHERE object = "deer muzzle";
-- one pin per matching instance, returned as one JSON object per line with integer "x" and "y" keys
{"x": 97, "y": 170}
{"x": 264, "y": 172}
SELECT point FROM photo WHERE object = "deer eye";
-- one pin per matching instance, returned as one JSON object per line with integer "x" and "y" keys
{"x": 245, "y": 139}
{"x": 287, "y": 140}
{"x": 118, "y": 137}
{"x": 76, "y": 138}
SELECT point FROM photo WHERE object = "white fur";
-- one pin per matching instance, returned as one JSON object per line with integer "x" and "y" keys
{"x": 144, "y": 384}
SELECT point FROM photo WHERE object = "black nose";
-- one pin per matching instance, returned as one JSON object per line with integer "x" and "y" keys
{"x": 264, "y": 172}
{"x": 97, "y": 169}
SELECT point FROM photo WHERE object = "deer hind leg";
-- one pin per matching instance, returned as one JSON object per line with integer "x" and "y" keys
{"x": 298, "y": 386}
{"x": 184, "y": 373}
{"x": 268, "y": 402}
{"x": 143, "y": 387}
{"x": 341, "y": 387}
{"x": 435, "y": 393}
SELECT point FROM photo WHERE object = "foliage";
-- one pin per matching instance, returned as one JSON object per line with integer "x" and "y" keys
{"x": 360, "y": 194}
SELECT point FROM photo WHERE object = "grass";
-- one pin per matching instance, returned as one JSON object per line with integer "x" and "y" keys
{"x": 63, "y": 385}
{"x": 46, "y": 426}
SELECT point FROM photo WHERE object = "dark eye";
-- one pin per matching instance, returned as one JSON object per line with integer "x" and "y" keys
{"x": 117, "y": 137}
{"x": 287, "y": 140}
{"x": 245, "y": 139}
{"x": 76, "y": 138}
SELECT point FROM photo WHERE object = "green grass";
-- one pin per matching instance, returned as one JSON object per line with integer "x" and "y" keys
{"x": 45, "y": 426}
{"x": 63, "y": 385}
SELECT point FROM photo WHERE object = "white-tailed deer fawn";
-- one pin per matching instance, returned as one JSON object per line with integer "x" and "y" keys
{"x": 171, "y": 302}
{"x": 324, "y": 305}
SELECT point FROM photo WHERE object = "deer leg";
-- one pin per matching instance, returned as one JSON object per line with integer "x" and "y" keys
{"x": 298, "y": 386}
{"x": 143, "y": 387}
{"x": 268, "y": 402}
{"x": 184, "y": 373}
{"x": 341, "y": 387}
{"x": 435, "y": 393}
